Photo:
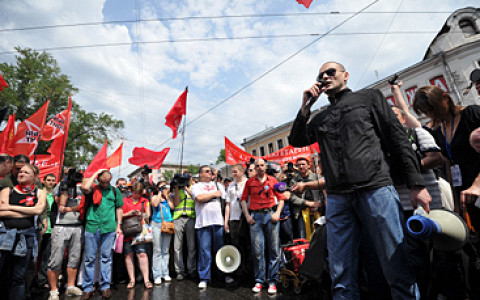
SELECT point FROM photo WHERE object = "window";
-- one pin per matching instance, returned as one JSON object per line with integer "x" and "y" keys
{"x": 254, "y": 152}
{"x": 270, "y": 148}
{"x": 262, "y": 151}
{"x": 279, "y": 144}
{"x": 467, "y": 27}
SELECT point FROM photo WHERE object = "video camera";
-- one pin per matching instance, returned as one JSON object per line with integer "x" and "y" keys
{"x": 290, "y": 172}
{"x": 180, "y": 180}
{"x": 273, "y": 168}
{"x": 71, "y": 179}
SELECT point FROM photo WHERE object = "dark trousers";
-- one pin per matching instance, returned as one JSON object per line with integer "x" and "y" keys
{"x": 44, "y": 255}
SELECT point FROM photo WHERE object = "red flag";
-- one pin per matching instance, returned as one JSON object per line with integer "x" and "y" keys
{"x": 174, "y": 116}
{"x": 26, "y": 139}
{"x": 235, "y": 155}
{"x": 6, "y": 136}
{"x": 98, "y": 162}
{"x": 115, "y": 159}
{"x": 142, "y": 156}
{"x": 3, "y": 83}
{"x": 306, "y": 3}
{"x": 55, "y": 126}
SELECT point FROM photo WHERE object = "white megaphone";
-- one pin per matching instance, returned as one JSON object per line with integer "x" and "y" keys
{"x": 228, "y": 259}
{"x": 448, "y": 230}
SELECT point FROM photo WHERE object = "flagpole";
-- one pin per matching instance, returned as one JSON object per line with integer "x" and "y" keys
{"x": 66, "y": 128}
{"x": 36, "y": 149}
{"x": 183, "y": 136}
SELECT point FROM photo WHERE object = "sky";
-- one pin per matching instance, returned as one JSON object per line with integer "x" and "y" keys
{"x": 246, "y": 63}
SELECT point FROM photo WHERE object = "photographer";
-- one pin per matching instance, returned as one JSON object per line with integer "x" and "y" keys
{"x": 67, "y": 233}
{"x": 184, "y": 221}
{"x": 122, "y": 185}
{"x": 311, "y": 199}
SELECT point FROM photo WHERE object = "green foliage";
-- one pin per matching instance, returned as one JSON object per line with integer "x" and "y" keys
{"x": 193, "y": 169}
{"x": 221, "y": 156}
{"x": 36, "y": 78}
{"x": 168, "y": 175}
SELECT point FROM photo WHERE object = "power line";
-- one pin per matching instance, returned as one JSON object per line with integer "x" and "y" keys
{"x": 210, "y": 39}
{"x": 169, "y": 19}
{"x": 271, "y": 70}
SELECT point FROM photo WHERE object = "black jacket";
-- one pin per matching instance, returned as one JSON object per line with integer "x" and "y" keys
{"x": 360, "y": 138}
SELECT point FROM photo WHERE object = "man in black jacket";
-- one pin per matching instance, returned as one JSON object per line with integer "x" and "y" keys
{"x": 360, "y": 139}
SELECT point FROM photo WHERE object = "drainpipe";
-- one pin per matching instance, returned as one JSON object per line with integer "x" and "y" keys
{"x": 450, "y": 78}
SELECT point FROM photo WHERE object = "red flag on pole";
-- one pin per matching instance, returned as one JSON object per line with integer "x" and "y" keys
{"x": 6, "y": 136}
{"x": 142, "y": 156}
{"x": 98, "y": 162}
{"x": 115, "y": 159}
{"x": 3, "y": 83}
{"x": 306, "y": 3}
{"x": 26, "y": 139}
{"x": 55, "y": 126}
{"x": 174, "y": 116}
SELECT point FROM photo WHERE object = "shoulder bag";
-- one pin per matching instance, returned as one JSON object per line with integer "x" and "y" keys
{"x": 166, "y": 227}
{"x": 131, "y": 226}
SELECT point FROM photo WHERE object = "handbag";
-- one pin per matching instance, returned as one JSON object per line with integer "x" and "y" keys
{"x": 132, "y": 226}
{"x": 166, "y": 227}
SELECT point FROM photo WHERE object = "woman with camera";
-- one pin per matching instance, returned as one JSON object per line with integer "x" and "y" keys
{"x": 161, "y": 240}
{"x": 18, "y": 206}
{"x": 133, "y": 206}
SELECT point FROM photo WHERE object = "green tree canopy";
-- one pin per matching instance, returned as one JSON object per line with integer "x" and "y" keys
{"x": 35, "y": 78}
{"x": 221, "y": 156}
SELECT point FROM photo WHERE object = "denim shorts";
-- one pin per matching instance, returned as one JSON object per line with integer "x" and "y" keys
{"x": 128, "y": 248}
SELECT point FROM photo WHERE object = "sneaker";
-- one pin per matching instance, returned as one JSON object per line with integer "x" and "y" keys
{"x": 272, "y": 289}
{"x": 55, "y": 295}
{"x": 157, "y": 281}
{"x": 73, "y": 291}
{"x": 229, "y": 280}
{"x": 257, "y": 288}
{"x": 202, "y": 285}
{"x": 167, "y": 278}
{"x": 179, "y": 277}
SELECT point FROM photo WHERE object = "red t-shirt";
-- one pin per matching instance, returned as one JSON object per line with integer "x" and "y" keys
{"x": 262, "y": 195}
{"x": 130, "y": 204}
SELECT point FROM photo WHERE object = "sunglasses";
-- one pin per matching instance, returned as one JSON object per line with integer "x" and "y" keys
{"x": 207, "y": 171}
{"x": 329, "y": 72}
{"x": 251, "y": 170}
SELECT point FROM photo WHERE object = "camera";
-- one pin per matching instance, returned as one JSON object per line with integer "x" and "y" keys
{"x": 273, "y": 168}
{"x": 393, "y": 80}
{"x": 290, "y": 173}
{"x": 146, "y": 170}
{"x": 180, "y": 180}
{"x": 71, "y": 179}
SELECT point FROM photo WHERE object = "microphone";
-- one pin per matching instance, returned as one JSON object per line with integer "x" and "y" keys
{"x": 310, "y": 100}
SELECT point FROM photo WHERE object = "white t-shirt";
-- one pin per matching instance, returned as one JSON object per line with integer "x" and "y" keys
{"x": 208, "y": 213}
{"x": 234, "y": 193}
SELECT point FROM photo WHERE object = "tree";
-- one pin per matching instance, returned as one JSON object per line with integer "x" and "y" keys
{"x": 168, "y": 175}
{"x": 36, "y": 78}
{"x": 221, "y": 156}
{"x": 193, "y": 169}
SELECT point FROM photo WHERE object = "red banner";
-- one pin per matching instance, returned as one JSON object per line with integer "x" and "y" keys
{"x": 235, "y": 155}
{"x": 48, "y": 164}
{"x": 26, "y": 139}
{"x": 440, "y": 82}
{"x": 174, "y": 116}
{"x": 98, "y": 162}
{"x": 410, "y": 92}
{"x": 115, "y": 159}
{"x": 3, "y": 83}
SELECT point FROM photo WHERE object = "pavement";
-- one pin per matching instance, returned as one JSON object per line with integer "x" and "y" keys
{"x": 188, "y": 290}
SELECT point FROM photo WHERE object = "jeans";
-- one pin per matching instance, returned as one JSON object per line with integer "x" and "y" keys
{"x": 379, "y": 212}
{"x": 184, "y": 226}
{"x": 45, "y": 246}
{"x": 298, "y": 227}
{"x": 18, "y": 269}
{"x": 264, "y": 231}
{"x": 208, "y": 237}
{"x": 92, "y": 242}
{"x": 161, "y": 247}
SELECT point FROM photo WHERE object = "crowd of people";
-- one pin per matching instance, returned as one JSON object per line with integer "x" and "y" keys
{"x": 378, "y": 165}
